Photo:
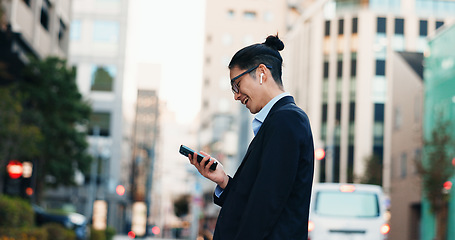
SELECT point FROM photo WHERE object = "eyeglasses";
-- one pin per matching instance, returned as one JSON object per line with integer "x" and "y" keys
{"x": 235, "y": 86}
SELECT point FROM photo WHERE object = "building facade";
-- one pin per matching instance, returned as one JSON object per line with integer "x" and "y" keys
{"x": 339, "y": 73}
{"x": 97, "y": 50}
{"x": 439, "y": 103}
{"x": 404, "y": 118}
{"x": 39, "y": 28}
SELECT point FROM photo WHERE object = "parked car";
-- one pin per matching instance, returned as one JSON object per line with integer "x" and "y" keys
{"x": 75, "y": 221}
{"x": 347, "y": 211}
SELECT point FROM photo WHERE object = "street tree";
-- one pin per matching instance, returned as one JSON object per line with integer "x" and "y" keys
{"x": 18, "y": 140}
{"x": 435, "y": 169}
{"x": 55, "y": 105}
{"x": 373, "y": 171}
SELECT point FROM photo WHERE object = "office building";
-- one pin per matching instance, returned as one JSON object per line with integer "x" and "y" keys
{"x": 340, "y": 73}
{"x": 439, "y": 78}
{"x": 32, "y": 28}
{"x": 97, "y": 50}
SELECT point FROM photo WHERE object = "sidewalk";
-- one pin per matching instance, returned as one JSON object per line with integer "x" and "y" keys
{"x": 125, "y": 237}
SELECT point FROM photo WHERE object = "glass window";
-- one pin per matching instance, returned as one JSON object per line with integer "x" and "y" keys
{"x": 353, "y": 67}
{"x": 354, "y": 25}
{"x": 399, "y": 26}
{"x": 423, "y": 27}
{"x": 250, "y": 15}
{"x": 380, "y": 67}
{"x": 439, "y": 24}
{"x": 103, "y": 78}
{"x": 327, "y": 28}
{"x": 339, "y": 68}
{"x": 403, "y": 167}
{"x": 340, "y": 27}
{"x": 351, "y": 112}
{"x": 44, "y": 19}
{"x": 27, "y": 2}
{"x": 381, "y": 25}
{"x": 75, "y": 30}
{"x": 106, "y": 31}
{"x": 100, "y": 121}
{"x": 324, "y": 112}
{"x": 347, "y": 204}
{"x": 326, "y": 69}
{"x": 379, "y": 112}
{"x": 230, "y": 13}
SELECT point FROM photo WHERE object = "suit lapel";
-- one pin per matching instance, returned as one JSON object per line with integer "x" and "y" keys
{"x": 278, "y": 105}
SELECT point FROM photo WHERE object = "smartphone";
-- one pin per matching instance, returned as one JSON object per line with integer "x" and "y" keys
{"x": 184, "y": 150}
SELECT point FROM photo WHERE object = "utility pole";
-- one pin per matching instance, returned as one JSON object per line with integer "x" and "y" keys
{"x": 91, "y": 193}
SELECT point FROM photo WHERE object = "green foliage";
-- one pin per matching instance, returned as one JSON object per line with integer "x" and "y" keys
{"x": 55, "y": 105}
{"x": 15, "y": 213}
{"x": 373, "y": 171}
{"x": 56, "y": 231}
{"x": 436, "y": 167}
{"x": 24, "y": 234}
{"x": 107, "y": 234}
{"x": 181, "y": 205}
{"x": 15, "y": 134}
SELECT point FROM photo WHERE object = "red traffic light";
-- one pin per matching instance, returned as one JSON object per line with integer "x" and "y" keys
{"x": 120, "y": 189}
{"x": 319, "y": 154}
{"x": 14, "y": 169}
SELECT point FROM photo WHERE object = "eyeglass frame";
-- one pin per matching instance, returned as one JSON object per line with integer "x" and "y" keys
{"x": 235, "y": 87}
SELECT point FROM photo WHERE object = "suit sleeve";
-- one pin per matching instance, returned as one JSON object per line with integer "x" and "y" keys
{"x": 281, "y": 151}
{"x": 220, "y": 200}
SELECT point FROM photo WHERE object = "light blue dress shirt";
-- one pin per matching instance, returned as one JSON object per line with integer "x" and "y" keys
{"x": 261, "y": 115}
{"x": 256, "y": 125}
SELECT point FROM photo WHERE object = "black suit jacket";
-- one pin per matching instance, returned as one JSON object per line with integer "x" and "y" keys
{"x": 269, "y": 195}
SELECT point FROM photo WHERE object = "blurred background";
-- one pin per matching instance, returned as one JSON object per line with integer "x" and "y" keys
{"x": 98, "y": 95}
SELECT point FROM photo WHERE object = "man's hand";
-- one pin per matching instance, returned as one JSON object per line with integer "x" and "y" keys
{"x": 218, "y": 176}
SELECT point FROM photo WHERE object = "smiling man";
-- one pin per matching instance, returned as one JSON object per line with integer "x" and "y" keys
{"x": 269, "y": 195}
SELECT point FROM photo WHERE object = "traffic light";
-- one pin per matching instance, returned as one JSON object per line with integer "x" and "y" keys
{"x": 14, "y": 169}
{"x": 319, "y": 153}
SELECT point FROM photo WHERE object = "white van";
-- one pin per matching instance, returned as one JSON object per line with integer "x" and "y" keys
{"x": 347, "y": 212}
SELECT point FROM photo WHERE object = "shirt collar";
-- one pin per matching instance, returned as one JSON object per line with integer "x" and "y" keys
{"x": 261, "y": 115}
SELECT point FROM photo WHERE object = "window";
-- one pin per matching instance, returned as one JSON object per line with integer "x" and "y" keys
{"x": 340, "y": 27}
{"x": 100, "y": 124}
{"x": 338, "y": 111}
{"x": 327, "y": 28}
{"x": 75, "y": 30}
{"x": 403, "y": 167}
{"x": 61, "y": 33}
{"x": 354, "y": 25}
{"x": 439, "y": 24}
{"x": 379, "y": 112}
{"x": 351, "y": 112}
{"x": 380, "y": 67}
{"x": 249, "y": 15}
{"x": 45, "y": 14}
{"x": 230, "y": 13}
{"x": 353, "y": 67}
{"x": 103, "y": 78}
{"x": 423, "y": 28}
{"x": 399, "y": 26}
{"x": 346, "y": 204}
{"x": 324, "y": 112}
{"x": 326, "y": 69}
{"x": 105, "y": 31}
{"x": 27, "y": 2}
{"x": 381, "y": 25}
{"x": 339, "y": 68}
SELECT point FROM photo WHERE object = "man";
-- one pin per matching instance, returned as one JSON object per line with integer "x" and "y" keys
{"x": 269, "y": 195}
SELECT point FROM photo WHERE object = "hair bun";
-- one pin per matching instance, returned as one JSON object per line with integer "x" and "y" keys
{"x": 274, "y": 42}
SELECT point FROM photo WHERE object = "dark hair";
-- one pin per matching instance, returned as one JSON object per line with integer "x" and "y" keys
{"x": 265, "y": 53}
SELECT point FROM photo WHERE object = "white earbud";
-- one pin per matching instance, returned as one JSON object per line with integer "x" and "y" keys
{"x": 260, "y": 81}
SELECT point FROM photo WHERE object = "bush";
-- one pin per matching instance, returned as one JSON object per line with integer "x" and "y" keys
{"x": 107, "y": 234}
{"x": 56, "y": 231}
{"x": 15, "y": 213}
{"x": 23, "y": 234}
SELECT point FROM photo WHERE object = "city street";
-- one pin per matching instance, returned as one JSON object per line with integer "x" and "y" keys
{"x": 125, "y": 237}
